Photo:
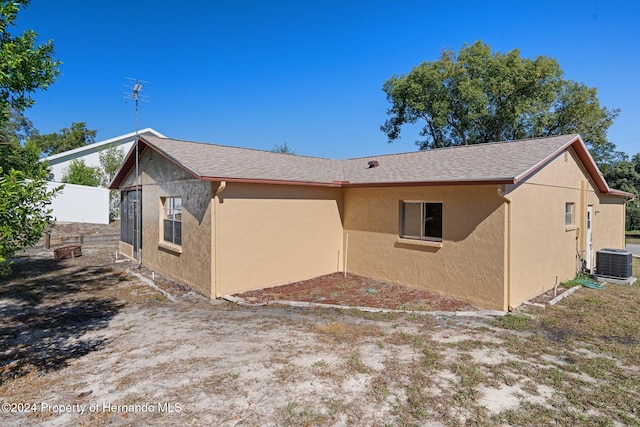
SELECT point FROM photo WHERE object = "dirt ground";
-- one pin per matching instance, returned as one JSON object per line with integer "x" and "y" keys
{"x": 84, "y": 343}
{"x": 356, "y": 291}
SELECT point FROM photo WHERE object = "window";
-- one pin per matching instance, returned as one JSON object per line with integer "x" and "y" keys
{"x": 172, "y": 221}
{"x": 568, "y": 213}
{"x": 422, "y": 220}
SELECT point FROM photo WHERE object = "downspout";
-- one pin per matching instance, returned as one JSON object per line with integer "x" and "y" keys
{"x": 508, "y": 202}
{"x": 216, "y": 273}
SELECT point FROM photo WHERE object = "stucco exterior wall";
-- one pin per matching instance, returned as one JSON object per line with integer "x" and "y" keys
{"x": 266, "y": 235}
{"x": 543, "y": 247}
{"x": 471, "y": 262}
{"x": 192, "y": 265}
{"x": 608, "y": 222}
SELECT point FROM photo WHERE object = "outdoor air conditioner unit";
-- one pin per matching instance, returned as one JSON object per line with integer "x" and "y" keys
{"x": 614, "y": 263}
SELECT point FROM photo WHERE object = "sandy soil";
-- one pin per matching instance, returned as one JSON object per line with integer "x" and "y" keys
{"x": 84, "y": 343}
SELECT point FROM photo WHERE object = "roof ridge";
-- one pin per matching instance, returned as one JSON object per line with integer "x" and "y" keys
{"x": 244, "y": 148}
{"x": 480, "y": 144}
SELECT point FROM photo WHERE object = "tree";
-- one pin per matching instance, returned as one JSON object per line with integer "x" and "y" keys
{"x": 478, "y": 96}
{"x": 24, "y": 215}
{"x": 15, "y": 152}
{"x": 78, "y": 135}
{"x": 79, "y": 173}
{"x": 110, "y": 160}
{"x": 624, "y": 174}
{"x": 283, "y": 149}
{"x": 25, "y": 66}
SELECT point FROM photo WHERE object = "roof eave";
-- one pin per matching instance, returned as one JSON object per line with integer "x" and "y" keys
{"x": 334, "y": 184}
{"x": 620, "y": 193}
{"x": 585, "y": 158}
{"x": 129, "y": 163}
{"x": 489, "y": 181}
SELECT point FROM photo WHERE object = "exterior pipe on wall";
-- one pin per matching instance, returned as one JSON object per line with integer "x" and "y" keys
{"x": 221, "y": 187}
{"x": 508, "y": 202}
{"x": 346, "y": 255}
{"x": 215, "y": 276}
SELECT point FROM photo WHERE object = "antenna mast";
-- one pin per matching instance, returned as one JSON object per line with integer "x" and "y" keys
{"x": 135, "y": 95}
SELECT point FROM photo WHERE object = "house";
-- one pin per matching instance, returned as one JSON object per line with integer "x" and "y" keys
{"x": 493, "y": 224}
{"x": 81, "y": 203}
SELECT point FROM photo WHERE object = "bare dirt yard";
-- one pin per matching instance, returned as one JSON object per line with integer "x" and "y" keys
{"x": 82, "y": 342}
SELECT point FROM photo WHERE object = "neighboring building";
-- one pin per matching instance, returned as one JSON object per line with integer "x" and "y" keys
{"x": 492, "y": 224}
{"x": 79, "y": 203}
{"x": 90, "y": 152}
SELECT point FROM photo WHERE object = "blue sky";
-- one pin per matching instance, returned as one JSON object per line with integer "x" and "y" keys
{"x": 259, "y": 73}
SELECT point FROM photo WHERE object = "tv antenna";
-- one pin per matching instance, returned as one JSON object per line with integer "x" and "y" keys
{"x": 134, "y": 94}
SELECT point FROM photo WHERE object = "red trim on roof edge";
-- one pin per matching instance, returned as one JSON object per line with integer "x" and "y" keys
{"x": 621, "y": 193}
{"x": 130, "y": 161}
{"x": 270, "y": 181}
{"x": 585, "y": 158}
{"x": 576, "y": 143}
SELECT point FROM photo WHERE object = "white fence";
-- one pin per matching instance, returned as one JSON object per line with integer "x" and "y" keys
{"x": 79, "y": 203}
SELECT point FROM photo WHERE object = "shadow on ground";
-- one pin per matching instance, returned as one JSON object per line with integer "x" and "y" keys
{"x": 46, "y": 308}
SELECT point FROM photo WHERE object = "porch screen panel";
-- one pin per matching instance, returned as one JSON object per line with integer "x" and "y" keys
{"x": 128, "y": 217}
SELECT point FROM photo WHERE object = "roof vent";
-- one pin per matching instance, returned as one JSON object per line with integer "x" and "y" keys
{"x": 373, "y": 164}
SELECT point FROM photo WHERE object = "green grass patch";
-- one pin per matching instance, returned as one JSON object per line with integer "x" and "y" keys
{"x": 516, "y": 322}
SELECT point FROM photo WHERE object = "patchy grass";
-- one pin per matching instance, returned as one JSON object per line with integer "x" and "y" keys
{"x": 575, "y": 363}
{"x": 515, "y": 322}
{"x": 347, "y": 332}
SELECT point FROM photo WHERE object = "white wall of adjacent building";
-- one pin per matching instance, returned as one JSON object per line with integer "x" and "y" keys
{"x": 80, "y": 203}
{"x": 90, "y": 156}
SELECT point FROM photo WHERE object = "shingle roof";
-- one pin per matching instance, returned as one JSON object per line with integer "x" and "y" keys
{"x": 501, "y": 162}
{"x": 209, "y": 160}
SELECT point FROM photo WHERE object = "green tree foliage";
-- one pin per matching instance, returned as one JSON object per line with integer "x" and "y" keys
{"x": 25, "y": 66}
{"x": 479, "y": 96}
{"x": 78, "y": 135}
{"x": 624, "y": 174}
{"x": 110, "y": 160}
{"x": 283, "y": 149}
{"x": 15, "y": 152}
{"x": 79, "y": 173}
{"x": 24, "y": 215}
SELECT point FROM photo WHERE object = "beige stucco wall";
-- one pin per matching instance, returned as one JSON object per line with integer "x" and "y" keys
{"x": 266, "y": 235}
{"x": 543, "y": 248}
{"x": 608, "y": 222}
{"x": 471, "y": 262}
{"x": 161, "y": 178}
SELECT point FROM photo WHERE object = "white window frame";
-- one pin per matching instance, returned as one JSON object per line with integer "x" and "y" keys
{"x": 172, "y": 213}
{"x": 423, "y": 209}
{"x": 569, "y": 214}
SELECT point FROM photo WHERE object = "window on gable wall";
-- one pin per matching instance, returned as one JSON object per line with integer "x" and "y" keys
{"x": 422, "y": 220}
{"x": 172, "y": 220}
{"x": 568, "y": 213}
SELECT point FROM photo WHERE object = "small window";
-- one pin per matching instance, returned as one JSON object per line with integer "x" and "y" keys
{"x": 568, "y": 213}
{"x": 172, "y": 220}
{"x": 422, "y": 220}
